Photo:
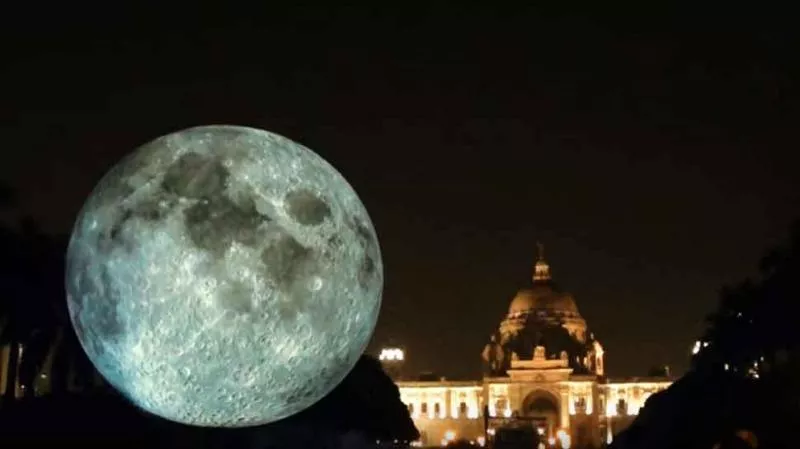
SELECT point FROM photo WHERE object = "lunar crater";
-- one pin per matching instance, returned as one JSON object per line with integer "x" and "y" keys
{"x": 213, "y": 223}
{"x": 285, "y": 260}
{"x": 195, "y": 176}
{"x": 306, "y": 208}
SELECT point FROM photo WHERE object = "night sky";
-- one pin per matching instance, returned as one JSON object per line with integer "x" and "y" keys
{"x": 655, "y": 159}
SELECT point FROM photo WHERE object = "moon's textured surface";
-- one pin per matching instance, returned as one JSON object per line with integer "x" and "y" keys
{"x": 224, "y": 276}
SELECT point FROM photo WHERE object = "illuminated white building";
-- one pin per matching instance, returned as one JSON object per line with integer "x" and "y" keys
{"x": 543, "y": 369}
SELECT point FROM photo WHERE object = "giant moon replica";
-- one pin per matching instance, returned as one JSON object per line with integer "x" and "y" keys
{"x": 224, "y": 276}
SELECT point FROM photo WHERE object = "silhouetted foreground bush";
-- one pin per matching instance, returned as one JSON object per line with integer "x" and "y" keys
{"x": 365, "y": 407}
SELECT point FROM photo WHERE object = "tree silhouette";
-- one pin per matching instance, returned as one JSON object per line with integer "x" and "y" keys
{"x": 18, "y": 315}
{"x": 33, "y": 312}
{"x": 745, "y": 374}
{"x": 753, "y": 335}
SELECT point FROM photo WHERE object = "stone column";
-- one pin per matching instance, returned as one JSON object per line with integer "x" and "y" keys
{"x": 448, "y": 403}
{"x": 564, "y": 407}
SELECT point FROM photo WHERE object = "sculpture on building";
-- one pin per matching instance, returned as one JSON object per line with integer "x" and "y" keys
{"x": 494, "y": 358}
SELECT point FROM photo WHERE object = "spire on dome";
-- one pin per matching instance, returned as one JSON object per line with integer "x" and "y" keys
{"x": 541, "y": 272}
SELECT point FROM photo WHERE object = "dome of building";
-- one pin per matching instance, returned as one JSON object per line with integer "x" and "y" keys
{"x": 542, "y": 297}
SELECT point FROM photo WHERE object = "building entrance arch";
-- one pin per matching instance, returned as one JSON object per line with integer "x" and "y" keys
{"x": 542, "y": 408}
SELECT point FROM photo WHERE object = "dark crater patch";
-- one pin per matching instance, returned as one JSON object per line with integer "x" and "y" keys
{"x": 290, "y": 265}
{"x": 214, "y": 223}
{"x": 367, "y": 270}
{"x": 287, "y": 312}
{"x": 150, "y": 209}
{"x": 114, "y": 189}
{"x": 286, "y": 260}
{"x": 115, "y": 231}
{"x": 306, "y": 207}
{"x": 364, "y": 234}
{"x": 236, "y": 298}
{"x": 367, "y": 240}
{"x": 98, "y": 322}
{"x": 109, "y": 323}
{"x": 334, "y": 244}
{"x": 114, "y": 236}
{"x": 195, "y": 176}
{"x": 155, "y": 208}
{"x": 224, "y": 136}
{"x": 226, "y": 133}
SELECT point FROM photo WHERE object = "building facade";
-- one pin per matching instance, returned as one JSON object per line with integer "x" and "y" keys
{"x": 543, "y": 369}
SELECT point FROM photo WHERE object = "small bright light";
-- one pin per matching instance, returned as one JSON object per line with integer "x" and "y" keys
{"x": 564, "y": 438}
{"x": 727, "y": 367}
{"x": 490, "y": 431}
{"x": 540, "y": 430}
{"x": 551, "y": 441}
{"x": 391, "y": 354}
{"x": 450, "y": 435}
{"x": 696, "y": 348}
{"x": 507, "y": 413}
{"x": 481, "y": 441}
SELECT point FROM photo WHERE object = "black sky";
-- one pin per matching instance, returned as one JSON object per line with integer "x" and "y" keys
{"x": 656, "y": 159}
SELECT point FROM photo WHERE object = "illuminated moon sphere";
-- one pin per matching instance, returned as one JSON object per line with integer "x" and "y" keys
{"x": 224, "y": 276}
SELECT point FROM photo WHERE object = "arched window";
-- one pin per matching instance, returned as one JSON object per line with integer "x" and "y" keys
{"x": 437, "y": 409}
{"x": 424, "y": 408}
{"x": 462, "y": 409}
{"x": 410, "y": 409}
